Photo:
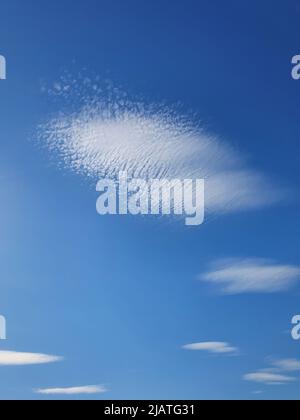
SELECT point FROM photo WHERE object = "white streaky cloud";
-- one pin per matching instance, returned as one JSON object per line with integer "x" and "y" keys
{"x": 235, "y": 276}
{"x": 212, "y": 347}
{"x": 81, "y": 390}
{"x": 108, "y": 133}
{"x": 276, "y": 374}
{"x": 287, "y": 365}
{"x": 269, "y": 378}
{"x": 12, "y": 358}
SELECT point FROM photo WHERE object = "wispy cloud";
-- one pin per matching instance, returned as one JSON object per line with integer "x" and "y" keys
{"x": 268, "y": 378}
{"x": 276, "y": 374}
{"x": 109, "y": 133}
{"x": 287, "y": 365}
{"x": 88, "y": 389}
{"x": 212, "y": 347}
{"x": 234, "y": 276}
{"x": 12, "y": 358}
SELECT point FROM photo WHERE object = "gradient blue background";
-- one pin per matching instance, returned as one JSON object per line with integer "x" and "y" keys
{"x": 118, "y": 297}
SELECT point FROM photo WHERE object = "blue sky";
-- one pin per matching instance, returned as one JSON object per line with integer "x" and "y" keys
{"x": 119, "y": 297}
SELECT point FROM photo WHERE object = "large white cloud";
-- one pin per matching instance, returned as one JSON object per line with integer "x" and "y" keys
{"x": 110, "y": 133}
{"x": 234, "y": 276}
{"x": 269, "y": 378}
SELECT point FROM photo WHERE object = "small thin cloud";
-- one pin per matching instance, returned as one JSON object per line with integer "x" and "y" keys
{"x": 237, "y": 276}
{"x": 276, "y": 374}
{"x": 13, "y": 358}
{"x": 81, "y": 390}
{"x": 212, "y": 347}
{"x": 268, "y": 378}
{"x": 287, "y": 365}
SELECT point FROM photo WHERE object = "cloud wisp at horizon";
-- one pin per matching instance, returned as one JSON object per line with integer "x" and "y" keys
{"x": 277, "y": 374}
{"x": 287, "y": 365}
{"x": 250, "y": 275}
{"x": 13, "y": 358}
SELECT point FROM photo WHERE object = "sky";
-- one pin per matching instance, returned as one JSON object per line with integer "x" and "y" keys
{"x": 115, "y": 307}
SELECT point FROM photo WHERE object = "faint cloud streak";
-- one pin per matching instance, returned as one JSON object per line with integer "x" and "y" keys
{"x": 82, "y": 390}
{"x": 212, "y": 347}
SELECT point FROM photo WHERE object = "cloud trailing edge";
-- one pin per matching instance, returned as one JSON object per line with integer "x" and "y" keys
{"x": 106, "y": 132}
{"x": 236, "y": 276}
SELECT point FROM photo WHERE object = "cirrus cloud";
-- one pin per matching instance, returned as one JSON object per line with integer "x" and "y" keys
{"x": 287, "y": 365}
{"x": 212, "y": 347}
{"x": 269, "y": 378}
{"x": 276, "y": 374}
